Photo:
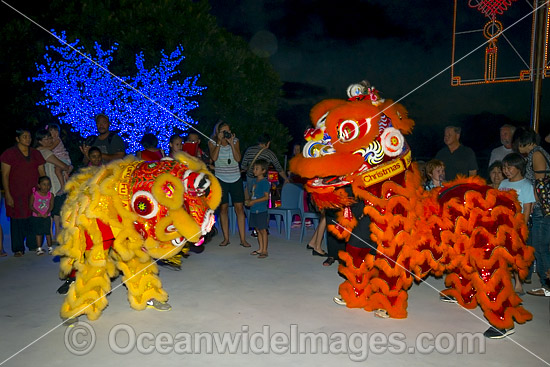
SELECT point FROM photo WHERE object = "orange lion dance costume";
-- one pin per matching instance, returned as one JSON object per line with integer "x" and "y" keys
{"x": 468, "y": 230}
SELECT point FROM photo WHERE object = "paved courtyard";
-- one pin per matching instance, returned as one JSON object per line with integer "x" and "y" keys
{"x": 232, "y": 309}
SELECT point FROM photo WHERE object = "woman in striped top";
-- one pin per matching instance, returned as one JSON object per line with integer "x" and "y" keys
{"x": 226, "y": 154}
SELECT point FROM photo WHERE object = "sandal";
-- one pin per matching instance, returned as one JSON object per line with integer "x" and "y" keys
{"x": 262, "y": 256}
{"x": 254, "y": 253}
{"x": 246, "y": 244}
{"x": 3, "y": 254}
{"x": 329, "y": 261}
{"x": 381, "y": 314}
{"x": 227, "y": 243}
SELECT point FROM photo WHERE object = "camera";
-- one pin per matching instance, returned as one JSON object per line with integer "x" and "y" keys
{"x": 227, "y": 135}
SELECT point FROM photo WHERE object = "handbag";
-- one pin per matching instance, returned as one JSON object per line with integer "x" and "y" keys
{"x": 542, "y": 189}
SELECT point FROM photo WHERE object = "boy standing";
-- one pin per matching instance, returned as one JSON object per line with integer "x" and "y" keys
{"x": 513, "y": 167}
{"x": 257, "y": 197}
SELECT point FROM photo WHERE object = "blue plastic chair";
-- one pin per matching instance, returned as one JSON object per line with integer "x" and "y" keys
{"x": 291, "y": 196}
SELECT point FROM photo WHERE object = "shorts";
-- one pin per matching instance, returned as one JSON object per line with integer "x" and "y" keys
{"x": 41, "y": 226}
{"x": 58, "y": 202}
{"x": 258, "y": 220}
{"x": 234, "y": 189}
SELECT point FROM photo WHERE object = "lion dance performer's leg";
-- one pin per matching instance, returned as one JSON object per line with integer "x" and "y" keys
{"x": 393, "y": 220}
{"x": 488, "y": 239}
{"x": 390, "y": 283}
{"x": 357, "y": 266}
{"x": 358, "y": 270}
{"x": 87, "y": 294}
{"x": 142, "y": 281}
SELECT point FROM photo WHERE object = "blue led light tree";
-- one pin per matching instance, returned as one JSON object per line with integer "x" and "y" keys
{"x": 77, "y": 88}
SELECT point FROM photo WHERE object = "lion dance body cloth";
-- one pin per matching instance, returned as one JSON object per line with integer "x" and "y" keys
{"x": 356, "y": 154}
{"x": 122, "y": 216}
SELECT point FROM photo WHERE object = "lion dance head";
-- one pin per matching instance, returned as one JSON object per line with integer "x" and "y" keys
{"x": 355, "y": 140}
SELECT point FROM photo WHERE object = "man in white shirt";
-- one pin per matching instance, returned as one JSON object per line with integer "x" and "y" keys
{"x": 506, "y": 134}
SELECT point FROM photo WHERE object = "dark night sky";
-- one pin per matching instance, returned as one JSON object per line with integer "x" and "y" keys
{"x": 396, "y": 45}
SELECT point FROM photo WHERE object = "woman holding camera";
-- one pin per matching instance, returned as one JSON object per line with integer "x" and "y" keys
{"x": 226, "y": 154}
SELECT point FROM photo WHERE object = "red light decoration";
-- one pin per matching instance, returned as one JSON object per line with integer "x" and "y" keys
{"x": 492, "y": 31}
{"x": 490, "y": 7}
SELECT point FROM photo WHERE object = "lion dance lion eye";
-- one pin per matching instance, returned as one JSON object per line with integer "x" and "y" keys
{"x": 348, "y": 130}
{"x": 144, "y": 204}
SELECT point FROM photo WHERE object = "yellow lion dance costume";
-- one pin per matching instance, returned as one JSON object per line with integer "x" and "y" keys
{"x": 470, "y": 231}
{"x": 119, "y": 217}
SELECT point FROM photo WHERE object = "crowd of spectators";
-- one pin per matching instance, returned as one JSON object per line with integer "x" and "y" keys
{"x": 23, "y": 166}
{"x": 519, "y": 164}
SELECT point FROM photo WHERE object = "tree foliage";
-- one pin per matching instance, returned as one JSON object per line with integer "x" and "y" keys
{"x": 243, "y": 88}
{"x": 78, "y": 85}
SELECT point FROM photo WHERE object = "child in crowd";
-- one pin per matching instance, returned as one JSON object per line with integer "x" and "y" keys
{"x": 256, "y": 197}
{"x": 513, "y": 167}
{"x": 151, "y": 152}
{"x": 41, "y": 205}
{"x": 95, "y": 157}
{"x": 435, "y": 172}
{"x": 58, "y": 149}
{"x": 175, "y": 143}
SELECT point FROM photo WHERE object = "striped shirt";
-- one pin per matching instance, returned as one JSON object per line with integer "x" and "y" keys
{"x": 266, "y": 155}
{"x": 227, "y": 167}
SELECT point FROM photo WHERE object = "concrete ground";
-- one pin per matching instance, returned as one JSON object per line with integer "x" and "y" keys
{"x": 267, "y": 311}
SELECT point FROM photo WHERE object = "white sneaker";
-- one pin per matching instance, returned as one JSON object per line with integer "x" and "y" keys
{"x": 39, "y": 251}
{"x": 50, "y": 250}
{"x": 339, "y": 301}
{"x": 159, "y": 306}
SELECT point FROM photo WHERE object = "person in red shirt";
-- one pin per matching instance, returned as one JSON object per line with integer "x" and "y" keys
{"x": 151, "y": 151}
{"x": 21, "y": 168}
